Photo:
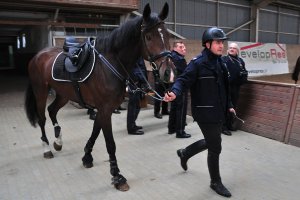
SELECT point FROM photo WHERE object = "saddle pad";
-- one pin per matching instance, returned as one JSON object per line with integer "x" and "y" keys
{"x": 59, "y": 73}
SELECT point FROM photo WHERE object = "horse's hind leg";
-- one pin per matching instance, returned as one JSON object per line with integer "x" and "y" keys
{"x": 41, "y": 105}
{"x": 53, "y": 108}
{"x": 87, "y": 159}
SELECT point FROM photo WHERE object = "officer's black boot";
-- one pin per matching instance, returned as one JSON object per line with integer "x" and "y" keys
{"x": 189, "y": 151}
{"x": 216, "y": 183}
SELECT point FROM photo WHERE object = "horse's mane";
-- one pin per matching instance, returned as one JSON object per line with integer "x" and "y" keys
{"x": 296, "y": 71}
{"x": 120, "y": 37}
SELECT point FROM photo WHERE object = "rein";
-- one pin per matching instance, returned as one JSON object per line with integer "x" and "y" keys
{"x": 143, "y": 90}
{"x": 106, "y": 62}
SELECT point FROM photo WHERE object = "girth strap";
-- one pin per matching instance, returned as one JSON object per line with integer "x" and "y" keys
{"x": 81, "y": 102}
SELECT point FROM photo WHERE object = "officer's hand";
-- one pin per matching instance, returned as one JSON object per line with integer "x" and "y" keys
{"x": 169, "y": 96}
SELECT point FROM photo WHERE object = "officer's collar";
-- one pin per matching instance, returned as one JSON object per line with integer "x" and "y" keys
{"x": 178, "y": 53}
{"x": 233, "y": 56}
{"x": 211, "y": 55}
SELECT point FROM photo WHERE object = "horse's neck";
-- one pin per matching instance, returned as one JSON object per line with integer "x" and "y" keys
{"x": 129, "y": 56}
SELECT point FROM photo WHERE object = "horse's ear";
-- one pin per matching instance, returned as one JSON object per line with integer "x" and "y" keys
{"x": 147, "y": 12}
{"x": 164, "y": 13}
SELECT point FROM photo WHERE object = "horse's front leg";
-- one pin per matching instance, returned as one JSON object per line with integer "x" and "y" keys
{"x": 118, "y": 180}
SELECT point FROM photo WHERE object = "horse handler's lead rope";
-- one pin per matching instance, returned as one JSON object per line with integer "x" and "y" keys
{"x": 157, "y": 97}
{"x": 138, "y": 89}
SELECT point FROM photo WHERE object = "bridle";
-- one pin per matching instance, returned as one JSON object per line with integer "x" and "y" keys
{"x": 152, "y": 58}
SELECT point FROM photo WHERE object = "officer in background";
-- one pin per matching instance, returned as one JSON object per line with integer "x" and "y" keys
{"x": 238, "y": 76}
{"x": 178, "y": 110}
{"x": 139, "y": 76}
{"x": 207, "y": 78}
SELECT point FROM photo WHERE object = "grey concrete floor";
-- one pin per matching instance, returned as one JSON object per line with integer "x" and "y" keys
{"x": 252, "y": 167}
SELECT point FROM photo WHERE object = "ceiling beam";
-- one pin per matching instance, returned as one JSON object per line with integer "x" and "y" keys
{"x": 47, "y": 23}
{"x": 264, "y": 3}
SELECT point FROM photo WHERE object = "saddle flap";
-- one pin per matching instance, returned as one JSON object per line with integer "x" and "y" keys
{"x": 69, "y": 65}
{"x": 67, "y": 72}
{"x": 76, "y": 57}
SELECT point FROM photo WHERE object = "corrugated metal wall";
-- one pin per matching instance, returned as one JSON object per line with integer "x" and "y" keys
{"x": 190, "y": 18}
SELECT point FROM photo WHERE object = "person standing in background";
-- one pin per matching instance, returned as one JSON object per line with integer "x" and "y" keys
{"x": 178, "y": 110}
{"x": 238, "y": 76}
{"x": 139, "y": 77}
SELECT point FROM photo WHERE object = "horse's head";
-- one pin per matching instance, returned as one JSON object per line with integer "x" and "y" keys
{"x": 156, "y": 46}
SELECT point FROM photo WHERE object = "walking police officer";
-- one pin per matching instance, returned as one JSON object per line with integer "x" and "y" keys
{"x": 207, "y": 78}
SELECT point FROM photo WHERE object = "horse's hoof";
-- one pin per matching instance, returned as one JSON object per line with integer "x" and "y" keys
{"x": 88, "y": 165}
{"x": 87, "y": 160}
{"x": 122, "y": 187}
{"x": 57, "y": 147}
{"x": 48, "y": 155}
{"x": 120, "y": 183}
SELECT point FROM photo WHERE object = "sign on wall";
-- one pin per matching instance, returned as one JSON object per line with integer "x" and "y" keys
{"x": 264, "y": 58}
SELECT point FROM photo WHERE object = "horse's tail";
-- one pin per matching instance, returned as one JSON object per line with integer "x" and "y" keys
{"x": 30, "y": 106}
{"x": 296, "y": 72}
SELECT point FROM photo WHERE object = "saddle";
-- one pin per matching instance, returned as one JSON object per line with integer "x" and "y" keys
{"x": 77, "y": 54}
{"x": 76, "y": 61}
{"x": 75, "y": 64}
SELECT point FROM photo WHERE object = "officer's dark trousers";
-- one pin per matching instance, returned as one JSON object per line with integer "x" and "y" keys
{"x": 234, "y": 94}
{"x": 160, "y": 88}
{"x": 133, "y": 110}
{"x": 177, "y": 117}
{"x": 212, "y": 141}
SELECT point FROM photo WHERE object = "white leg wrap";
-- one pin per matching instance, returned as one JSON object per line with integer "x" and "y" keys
{"x": 58, "y": 140}
{"x": 46, "y": 147}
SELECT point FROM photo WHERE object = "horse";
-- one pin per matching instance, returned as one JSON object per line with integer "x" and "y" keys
{"x": 296, "y": 71}
{"x": 143, "y": 36}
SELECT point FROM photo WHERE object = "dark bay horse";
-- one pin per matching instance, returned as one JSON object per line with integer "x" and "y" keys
{"x": 144, "y": 36}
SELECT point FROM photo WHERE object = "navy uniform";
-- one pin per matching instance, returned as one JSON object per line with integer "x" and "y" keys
{"x": 178, "y": 109}
{"x": 139, "y": 76}
{"x": 238, "y": 76}
{"x": 207, "y": 78}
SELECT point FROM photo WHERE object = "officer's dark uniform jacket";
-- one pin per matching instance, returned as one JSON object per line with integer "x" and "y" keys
{"x": 179, "y": 61}
{"x": 139, "y": 73}
{"x": 235, "y": 66}
{"x": 207, "y": 78}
